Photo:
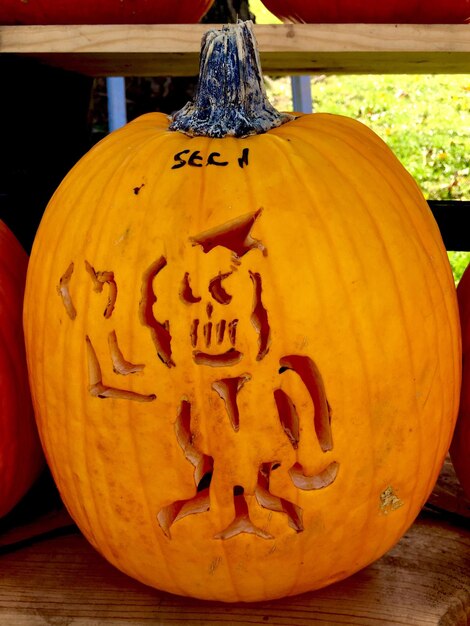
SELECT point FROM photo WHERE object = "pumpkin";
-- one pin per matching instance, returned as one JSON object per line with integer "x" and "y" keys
{"x": 363, "y": 11}
{"x": 460, "y": 448}
{"x": 21, "y": 457}
{"x": 102, "y": 12}
{"x": 243, "y": 342}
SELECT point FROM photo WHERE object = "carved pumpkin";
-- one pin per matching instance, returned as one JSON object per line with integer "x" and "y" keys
{"x": 102, "y": 11}
{"x": 460, "y": 449}
{"x": 243, "y": 342}
{"x": 21, "y": 456}
{"x": 363, "y": 11}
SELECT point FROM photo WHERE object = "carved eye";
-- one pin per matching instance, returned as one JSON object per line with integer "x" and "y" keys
{"x": 217, "y": 291}
{"x": 186, "y": 293}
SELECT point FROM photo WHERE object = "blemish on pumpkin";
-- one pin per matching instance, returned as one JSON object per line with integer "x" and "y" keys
{"x": 317, "y": 481}
{"x": 214, "y": 565}
{"x": 63, "y": 291}
{"x": 234, "y": 235}
{"x": 274, "y": 503}
{"x": 159, "y": 332}
{"x": 232, "y": 331}
{"x": 120, "y": 364}
{"x": 137, "y": 189}
{"x": 389, "y": 501}
{"x": 310, "y": 375}
{"x": 193, "y": 333}
{"x": 241, "y": 522}
{"x": 98, "y": 389}
{"x": 228, "y": 389}
{"x": 208, "y": 333}
{"x": 220, "y": 331}
{"x": 100, "y": 279}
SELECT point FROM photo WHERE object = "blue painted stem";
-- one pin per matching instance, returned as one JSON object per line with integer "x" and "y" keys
{"x": 230, "y": 99}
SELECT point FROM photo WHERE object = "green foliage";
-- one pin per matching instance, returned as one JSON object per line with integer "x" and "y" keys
{"x": 423, "y": 118}
{"x": 458, "y": 262}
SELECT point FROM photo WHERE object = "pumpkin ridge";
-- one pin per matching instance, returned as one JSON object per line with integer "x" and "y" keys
{"x": 339, "y": 274}
{"x": 433, "y": 475}
{"x": 420, "y": 247}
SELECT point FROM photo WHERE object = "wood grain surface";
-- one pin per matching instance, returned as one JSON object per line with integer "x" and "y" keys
{"x": 167, "y": 49}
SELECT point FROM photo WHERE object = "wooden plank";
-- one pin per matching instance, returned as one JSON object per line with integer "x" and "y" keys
{"x": 424, "y": 580}
{"x": 167, "y": 49}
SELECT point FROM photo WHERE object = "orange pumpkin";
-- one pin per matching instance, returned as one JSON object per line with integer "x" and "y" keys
{"x": 243, "y": 342}
{"x": 460, "y": 449}
{"x": 102, "y": 11}
{"x": 21, "y": 457}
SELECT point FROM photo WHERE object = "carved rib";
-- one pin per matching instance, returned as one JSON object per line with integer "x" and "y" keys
{"x": 159, "y": 332}
{"x": 220, "y": 330}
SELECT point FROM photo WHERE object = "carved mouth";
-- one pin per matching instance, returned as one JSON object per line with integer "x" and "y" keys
{"x": 223, "y": 359}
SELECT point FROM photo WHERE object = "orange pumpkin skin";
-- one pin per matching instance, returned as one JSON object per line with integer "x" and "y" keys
{"x": 244, "y": 352}
{"x": 21, "y": 457}
{"x": 103, "y": 12}
{"x": 460, "y": 448}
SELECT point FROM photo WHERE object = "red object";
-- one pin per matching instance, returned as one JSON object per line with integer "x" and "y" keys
{"x": 35, "y": 12}
{"x": 21, "y": 457}
{"x": 370, "y": 12}
{"x": 460, "y": 448}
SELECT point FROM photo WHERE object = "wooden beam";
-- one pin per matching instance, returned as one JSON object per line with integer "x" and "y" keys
{"x": 285, "y": 49}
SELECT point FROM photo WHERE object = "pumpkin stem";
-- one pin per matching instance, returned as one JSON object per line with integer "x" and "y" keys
{"x": 230, "y": 99}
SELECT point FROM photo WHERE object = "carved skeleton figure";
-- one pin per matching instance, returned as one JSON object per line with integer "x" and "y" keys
{"x": 214, "y": 345}
{"x": 236, "y": 237}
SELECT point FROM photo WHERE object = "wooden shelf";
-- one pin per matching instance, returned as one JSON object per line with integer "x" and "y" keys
{"x": 161, "y": 50}
{"x": 56, "y": 577}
